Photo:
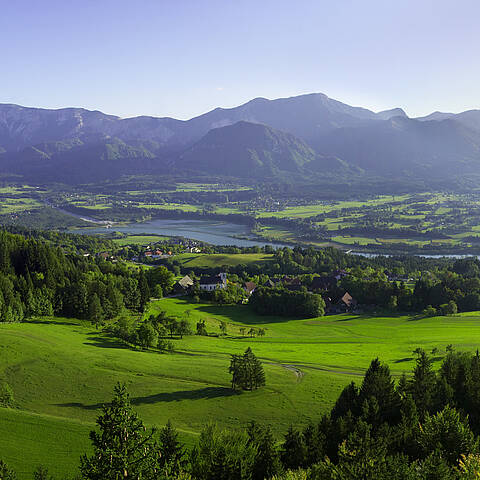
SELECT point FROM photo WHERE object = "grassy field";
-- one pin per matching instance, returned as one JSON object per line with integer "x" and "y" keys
{"x": 62, "y": 371}
{"x": 219, "y": 259}
{"x": 139, "y": 240}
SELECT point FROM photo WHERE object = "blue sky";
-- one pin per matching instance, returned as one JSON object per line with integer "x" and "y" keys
{"x": 184, "y": 57}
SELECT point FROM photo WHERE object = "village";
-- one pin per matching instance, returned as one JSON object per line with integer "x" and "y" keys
{"x": 320, "y": 285}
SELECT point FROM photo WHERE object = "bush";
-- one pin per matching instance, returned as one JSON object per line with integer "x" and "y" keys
{"x": 6, "y": 396}
{"x": 429, "y": 311}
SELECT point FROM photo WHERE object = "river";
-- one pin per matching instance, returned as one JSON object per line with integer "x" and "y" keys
{"x": 209, "y": 231}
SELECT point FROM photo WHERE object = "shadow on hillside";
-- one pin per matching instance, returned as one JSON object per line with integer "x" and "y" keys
{"x": 241, "y": 313}
{"x": 401, "y": 360}
{"x": 83, "y": 406}
{"x": 348, "y": 317}
{"x": 96, "y": 340}
{"x": 52, "y": 322}
{"x": 200, "y": 394}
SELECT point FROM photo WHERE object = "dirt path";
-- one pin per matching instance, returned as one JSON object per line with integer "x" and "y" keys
{"x": 291, "y": 368}
{"x": 298, "y": 373}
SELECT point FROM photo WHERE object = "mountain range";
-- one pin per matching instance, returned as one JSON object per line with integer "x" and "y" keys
{"x": 307, "y": 136}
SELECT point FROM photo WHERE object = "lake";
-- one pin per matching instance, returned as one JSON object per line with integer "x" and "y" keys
{"x": 209, "y": 231}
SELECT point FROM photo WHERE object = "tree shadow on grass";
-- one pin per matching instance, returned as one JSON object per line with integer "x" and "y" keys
{"x": 401, "y": 360}
{"x": 104, "y": 342}
{"x": 199, "y": 394}
{"x": 348, "y": 317}
{"x": 243, "y": 314}
{"x": 52, "y": 322}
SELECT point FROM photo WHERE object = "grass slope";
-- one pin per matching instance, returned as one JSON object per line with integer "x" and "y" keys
{"x": 219, "y": 259}
{"x": 62, "y": 371}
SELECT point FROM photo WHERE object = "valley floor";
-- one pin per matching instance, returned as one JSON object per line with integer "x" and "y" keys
{"x": 62, "y": 371}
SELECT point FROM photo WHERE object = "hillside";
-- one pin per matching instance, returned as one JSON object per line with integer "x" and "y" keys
{"x": 247, "y": 150}
{"x": 73, "y": 368}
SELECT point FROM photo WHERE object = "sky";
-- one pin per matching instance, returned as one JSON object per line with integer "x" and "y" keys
{"x": 181, "y": 58}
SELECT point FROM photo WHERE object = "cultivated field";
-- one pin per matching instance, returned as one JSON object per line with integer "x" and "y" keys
{"x": 61, "y": 372}
{"x": 428, "y": 222}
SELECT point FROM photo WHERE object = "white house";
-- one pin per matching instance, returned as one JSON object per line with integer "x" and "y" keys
{"x": 214, "y": 282}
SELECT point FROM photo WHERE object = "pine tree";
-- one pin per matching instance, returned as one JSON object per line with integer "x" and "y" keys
{"x": 378, "y": 384}
{"x": 237, "y": 371}
{"x": 293, "y": 449}
{"x": 267, "y": 461}
{"x": 143, "y": 289}
{"x": 247, "y": 371}
{"x": 41, "y": 473}
{"x": 172, "y": 451}
{"x": 258, "y": 373}
{"x": 423, "y": 384}
{"x": 6, "y": 473}
{"x": 121, "y": 449}
{"x": 249, "y": 365}
{"x": 347, "y": 401}
{"x": 314, "y": 445}
{"x": 95, "y": 311}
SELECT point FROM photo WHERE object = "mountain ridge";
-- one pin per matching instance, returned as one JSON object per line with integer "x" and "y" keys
{"x": 42, "y": 143}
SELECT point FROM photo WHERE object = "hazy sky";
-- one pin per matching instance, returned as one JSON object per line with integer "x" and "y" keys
{"x": 184, "y": 57}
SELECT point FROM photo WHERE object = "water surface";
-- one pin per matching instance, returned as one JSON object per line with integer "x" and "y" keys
{"x": 209, "y": 231}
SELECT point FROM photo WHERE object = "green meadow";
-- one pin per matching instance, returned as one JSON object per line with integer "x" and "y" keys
{"x": 62, "y": 371}
{"x": 214, "y": 260}
{"x": 139, "y": 240}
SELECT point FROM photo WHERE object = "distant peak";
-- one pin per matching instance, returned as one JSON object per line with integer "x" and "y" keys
{"x": 393, "y": 112}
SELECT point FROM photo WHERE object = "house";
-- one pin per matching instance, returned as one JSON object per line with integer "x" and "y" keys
{"x": 347, "y": 303}
{"x": 249, "y": 287}
{"x": 271, "y": 282}
{"x": 338, "y": 274}
{"x": 323, "y": 283}
{"x": 213, "y": 282}
{"x": 183, "y": 285}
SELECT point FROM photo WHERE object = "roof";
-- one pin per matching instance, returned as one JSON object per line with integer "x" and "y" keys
{"x": 185, "y": 282}
{"x": 249, "y": 286}
{"x": 348, "y": 300}
{"x": 323, "y": 283}
{"x": 213, "y": 280}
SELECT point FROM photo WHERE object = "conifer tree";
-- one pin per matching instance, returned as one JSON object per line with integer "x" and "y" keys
{"x": 423, "y": 384}
{"x": 247, "y": 371}
{"x": 6, "y": 473}
{"x": 173, "y": 452}
{"x": 267, "y": 461}
{"x": 143, "y": 289}
{"x": 95, "y": 311}
{"x": 293, "y": 449}
{"x": 378, "y": 384}
{"x": 122, "y": 449}
{"x": 41, "y": 473}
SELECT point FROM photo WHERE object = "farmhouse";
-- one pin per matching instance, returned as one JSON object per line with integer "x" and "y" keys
{"x": 323, "y": 283}
{"x": 249, "y": 287}
{"x": 183, "y": 285}
{"x": 346, "y": 303}
{"x": 271, "y": 283}
{"x": 214, "y": 282}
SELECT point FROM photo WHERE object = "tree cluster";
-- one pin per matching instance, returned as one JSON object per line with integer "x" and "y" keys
{"x": 280, "y": 301}
{"x": 247, "y": 371}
